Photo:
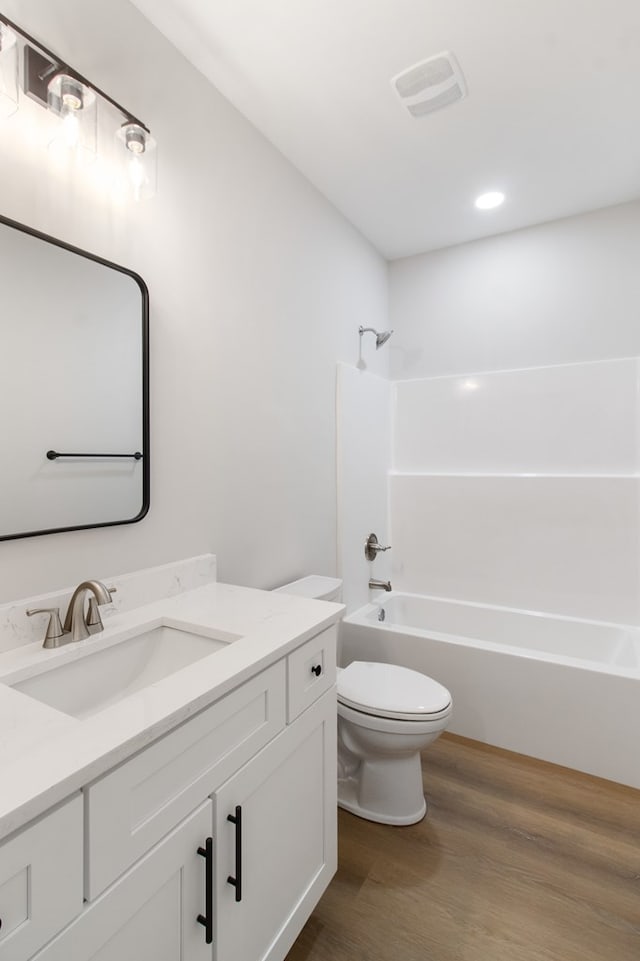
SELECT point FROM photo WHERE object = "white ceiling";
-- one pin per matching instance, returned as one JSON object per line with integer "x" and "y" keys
{"x": 551, "y": 119}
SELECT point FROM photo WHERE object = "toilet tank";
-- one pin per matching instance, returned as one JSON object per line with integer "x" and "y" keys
{"x": 315, "y": 585}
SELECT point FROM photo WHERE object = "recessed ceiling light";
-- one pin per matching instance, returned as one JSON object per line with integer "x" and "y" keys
{"x": 489, "y": 200}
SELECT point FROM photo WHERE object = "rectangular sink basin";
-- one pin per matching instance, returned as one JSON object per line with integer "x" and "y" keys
{"x": 101, "y": 678}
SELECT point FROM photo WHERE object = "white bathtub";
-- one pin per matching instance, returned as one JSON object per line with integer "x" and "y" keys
{"x": 561, "y": 689}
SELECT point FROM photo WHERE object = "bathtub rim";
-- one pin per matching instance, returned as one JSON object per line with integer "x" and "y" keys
{"x": 359, "y": 618}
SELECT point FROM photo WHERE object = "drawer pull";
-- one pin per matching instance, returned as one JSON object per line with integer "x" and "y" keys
{"x": 237, "y": 881}
{"x": 207, "y": 920}
{"x": 317, "y": 670}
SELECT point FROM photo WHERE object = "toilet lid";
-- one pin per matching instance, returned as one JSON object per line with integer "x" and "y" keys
{"x": 389, "y": 690}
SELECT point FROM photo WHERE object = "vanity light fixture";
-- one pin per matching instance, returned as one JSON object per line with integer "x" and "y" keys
{"x": 490, "y": 200}
{"x": 8, "y": 71}
{"x": 83, "y": 112}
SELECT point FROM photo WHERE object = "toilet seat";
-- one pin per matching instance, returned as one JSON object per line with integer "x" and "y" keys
{"x": 413, "y": 724}
{"x": 391, "y": 691}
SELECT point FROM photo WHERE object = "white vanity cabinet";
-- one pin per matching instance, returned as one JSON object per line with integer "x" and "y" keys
{"x": 215, "y": 842}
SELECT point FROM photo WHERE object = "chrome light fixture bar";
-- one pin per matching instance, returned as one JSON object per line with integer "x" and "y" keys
{"x": 55, "y": 85}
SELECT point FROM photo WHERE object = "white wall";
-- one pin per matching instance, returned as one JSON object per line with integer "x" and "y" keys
{"x": 257, "y": 287}
{"x": 563, "y": 292}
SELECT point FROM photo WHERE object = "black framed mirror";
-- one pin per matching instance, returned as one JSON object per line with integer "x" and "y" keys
{"x": 74, "y": 388}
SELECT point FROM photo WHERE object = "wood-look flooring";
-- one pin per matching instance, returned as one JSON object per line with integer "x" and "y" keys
{"x": 517, "y": 860}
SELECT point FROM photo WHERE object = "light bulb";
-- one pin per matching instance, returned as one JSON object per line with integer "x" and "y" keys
{"x": 136, "y": 173}
{"x": 71, "y": 102}
{"x": 70, "y": 130}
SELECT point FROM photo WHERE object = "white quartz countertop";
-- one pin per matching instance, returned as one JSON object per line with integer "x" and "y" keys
{"x": 46, "y": 755}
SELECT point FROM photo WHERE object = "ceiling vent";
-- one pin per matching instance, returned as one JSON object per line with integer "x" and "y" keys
{"x": 430, "y": 84}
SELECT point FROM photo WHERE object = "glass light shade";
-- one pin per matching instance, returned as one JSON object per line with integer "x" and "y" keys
{"x": 76, "y": 107}
{"x": 139, "y": 155}
{"x": 8, "y": 71}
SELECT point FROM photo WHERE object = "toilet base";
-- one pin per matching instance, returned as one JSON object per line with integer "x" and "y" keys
{"x": 389, "y": 792}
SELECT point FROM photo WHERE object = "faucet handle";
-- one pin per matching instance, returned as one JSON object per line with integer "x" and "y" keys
{"x": 372, "y": 548}
{"x": 94, "y": 621}
{"x": 54, "y": 627}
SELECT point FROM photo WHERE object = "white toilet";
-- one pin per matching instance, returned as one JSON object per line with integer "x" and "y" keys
{"x": 386, "y": 716}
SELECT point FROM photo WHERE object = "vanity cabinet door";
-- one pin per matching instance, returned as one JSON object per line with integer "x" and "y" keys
{"x": 276, "y": 839}
{"x": 151, "y": 913}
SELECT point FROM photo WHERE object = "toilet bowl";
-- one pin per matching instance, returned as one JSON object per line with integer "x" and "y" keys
{"x": 386, "y": 716}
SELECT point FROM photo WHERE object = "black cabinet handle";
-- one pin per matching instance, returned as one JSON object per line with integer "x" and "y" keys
{"x": 317, "y": 670}
{"x": 237, "y": 881}
{"x": 207, "y": 920}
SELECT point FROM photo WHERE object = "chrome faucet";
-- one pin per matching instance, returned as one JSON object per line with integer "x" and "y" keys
{"x": 76, "y": 623}
{"x": 379, "y": 585}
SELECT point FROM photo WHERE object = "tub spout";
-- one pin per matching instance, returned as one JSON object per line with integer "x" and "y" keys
{"x": 379, "y": 585}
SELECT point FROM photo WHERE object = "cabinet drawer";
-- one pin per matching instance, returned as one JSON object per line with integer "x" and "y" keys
{"x": 40, "y": 881}
{"x": 133, "y": 807}
{"x": 305, "y": 683}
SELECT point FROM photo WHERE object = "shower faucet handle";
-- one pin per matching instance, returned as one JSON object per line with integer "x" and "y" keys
{"x": 372, "y": 548}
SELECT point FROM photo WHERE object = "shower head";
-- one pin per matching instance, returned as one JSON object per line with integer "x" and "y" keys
{"x": 381, "y": 338}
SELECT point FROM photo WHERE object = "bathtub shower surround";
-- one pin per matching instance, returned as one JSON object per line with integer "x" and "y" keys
{"x": 571, "y": 419}
{"x": 561, "y": 689}
{"x": 521, "y": 489}
{"x": 555, "y": 544}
